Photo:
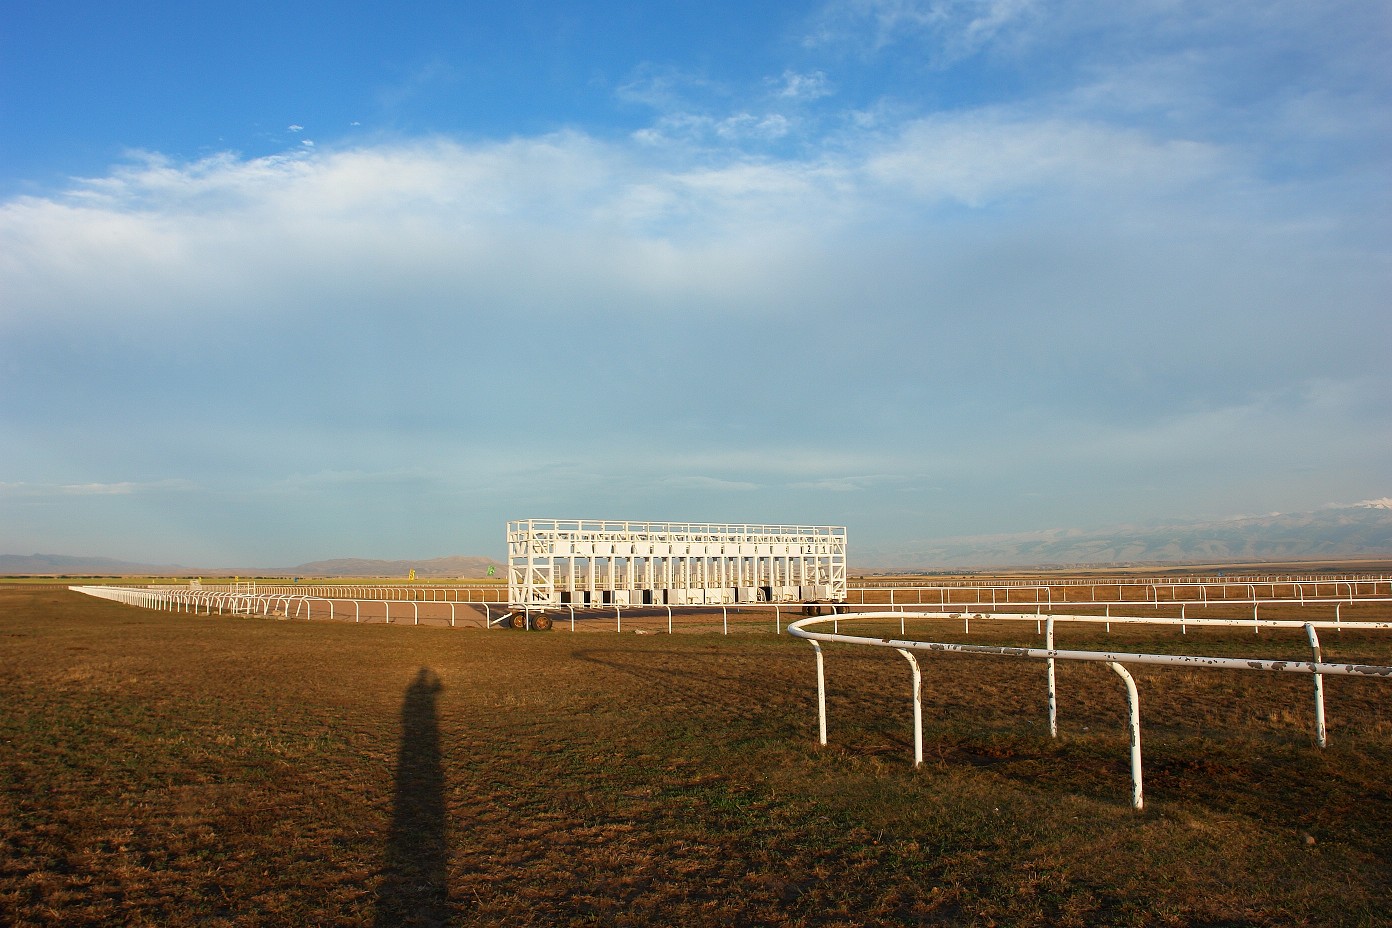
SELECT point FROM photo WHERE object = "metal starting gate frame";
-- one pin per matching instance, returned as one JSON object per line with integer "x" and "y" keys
{"x": 555, "y": 563}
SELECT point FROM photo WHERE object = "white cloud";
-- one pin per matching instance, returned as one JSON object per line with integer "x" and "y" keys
{"x": 949, "y": 29}
{"x": 837, "y": 484}
{"x": 699, "y": 482}
{"x": 747, "y": 125}
{"x": 432, "y": 75}
{"x": 812, "y": 85}
{"x": 333, "y": 479}
{"x": 681, "y": 129}
{"x": 979, "y": 157}
{"x": 295, "y": 128}
{"x": 98, "y": 489}
{"x": 665, "y": 89}
{"x": 1087, "y": 233}
{"x": 535, "y": 219}
{"x": 119, "y": 488}
{"x": 787, "y": 463}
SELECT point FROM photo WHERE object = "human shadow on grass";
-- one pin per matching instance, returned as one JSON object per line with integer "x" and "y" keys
{"x": 414, "y": 890}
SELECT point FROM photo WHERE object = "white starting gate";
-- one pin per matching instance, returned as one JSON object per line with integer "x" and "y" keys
{"x": 560, "y": 562}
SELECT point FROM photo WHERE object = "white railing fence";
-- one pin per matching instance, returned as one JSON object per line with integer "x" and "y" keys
{"x": 1116, "y": 661}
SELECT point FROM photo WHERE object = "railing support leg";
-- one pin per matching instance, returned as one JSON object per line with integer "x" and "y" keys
{"x": 1134, "y": 699}
{"x": 1053, "y": 694}
{"x": 917, "y": 705}
{"x": 1320, "y": 737}
{"x": 821, "y": 695}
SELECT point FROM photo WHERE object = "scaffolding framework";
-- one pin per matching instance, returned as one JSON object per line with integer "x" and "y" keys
{"x": 577, "y": 562}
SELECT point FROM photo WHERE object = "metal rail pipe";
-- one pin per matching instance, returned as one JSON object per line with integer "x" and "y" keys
{"x": 1114, "y": 660}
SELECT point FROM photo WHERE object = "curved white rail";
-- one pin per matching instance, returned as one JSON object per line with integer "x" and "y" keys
{"x": 1115, "y": 660}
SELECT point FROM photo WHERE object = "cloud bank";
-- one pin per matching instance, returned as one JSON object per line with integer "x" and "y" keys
{"x": 1103, "y": 298}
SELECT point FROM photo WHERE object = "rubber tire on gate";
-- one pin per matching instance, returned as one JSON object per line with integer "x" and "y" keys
{"x": 519, "y": 620}
{"x": 542, "y": 623}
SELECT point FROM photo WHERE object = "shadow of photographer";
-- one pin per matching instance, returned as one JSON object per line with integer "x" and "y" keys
{"x": 414, "y": 890}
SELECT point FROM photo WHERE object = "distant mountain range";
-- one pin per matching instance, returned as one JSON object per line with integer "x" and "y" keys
{"x": 1361, "y": 531}
{"x": 1354, "y": 532}
{"x": 439, "y": 568}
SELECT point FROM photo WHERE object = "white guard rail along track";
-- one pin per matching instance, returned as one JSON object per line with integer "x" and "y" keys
{"x": 1115, "y": 660}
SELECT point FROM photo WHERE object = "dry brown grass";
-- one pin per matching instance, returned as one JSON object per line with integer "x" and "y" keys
{"x": 167, "y": 769}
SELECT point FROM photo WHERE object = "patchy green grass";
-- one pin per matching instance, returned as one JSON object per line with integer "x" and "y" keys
{"x": 166, "y": 769}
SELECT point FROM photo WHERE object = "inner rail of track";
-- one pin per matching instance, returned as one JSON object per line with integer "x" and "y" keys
{"x": 979, "y": 595}
{"x": 302, "y": 604}
{"x": 1116, "y": 661}
{"x": 392, "y": 604}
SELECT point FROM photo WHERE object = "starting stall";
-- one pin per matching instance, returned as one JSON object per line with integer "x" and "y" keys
{"x": 579, "y": 563}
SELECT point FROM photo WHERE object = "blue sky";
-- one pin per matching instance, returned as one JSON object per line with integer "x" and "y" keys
{"x": 281, "y": 282}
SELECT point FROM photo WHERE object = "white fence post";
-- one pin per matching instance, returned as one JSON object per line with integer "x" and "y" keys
{"x": 1134, "y": 699}
{"x": 1319, "y": 687}
{"x": 917, "y": 705}
{"x": 1053, "y": 697}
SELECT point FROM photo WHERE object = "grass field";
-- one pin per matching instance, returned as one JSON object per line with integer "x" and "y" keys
{"x": 167, "y": 769}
